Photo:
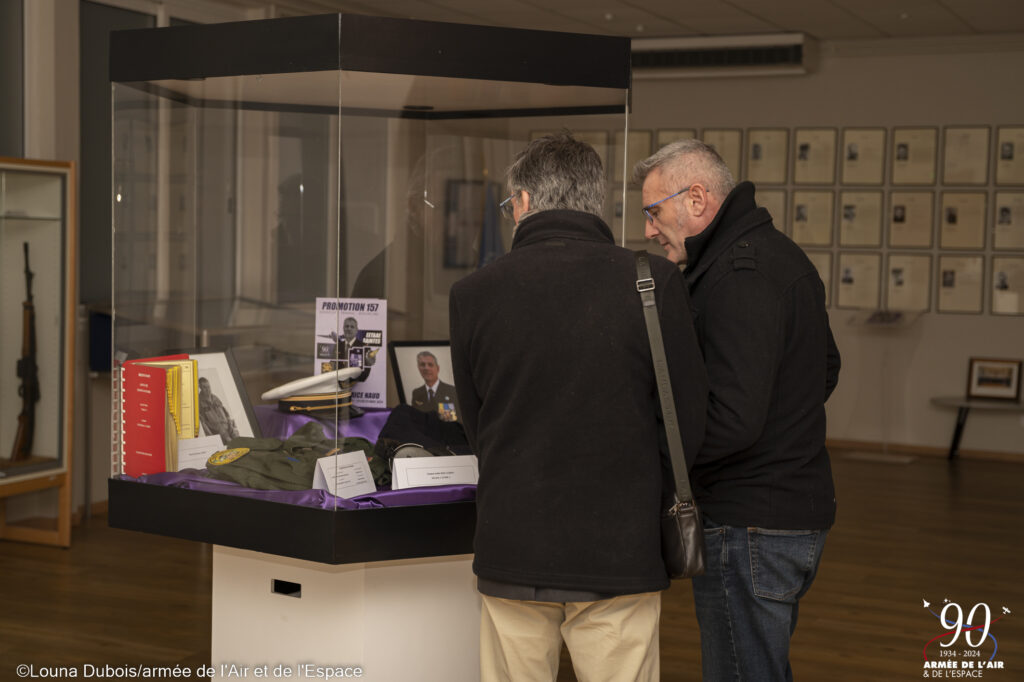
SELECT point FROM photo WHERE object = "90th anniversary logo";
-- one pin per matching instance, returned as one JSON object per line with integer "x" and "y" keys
{"x": 967, "y": 646}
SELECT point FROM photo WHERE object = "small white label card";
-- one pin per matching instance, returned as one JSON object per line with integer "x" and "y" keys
{"x": 346, "y": 475}
{"x": 418, "y": 472}
{"x": 193, "y": 452}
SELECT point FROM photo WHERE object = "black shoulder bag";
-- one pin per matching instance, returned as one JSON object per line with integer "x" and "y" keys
{"x": 682, "y": 534}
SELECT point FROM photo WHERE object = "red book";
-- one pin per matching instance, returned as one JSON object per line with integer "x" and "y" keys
{"x": 148, "y": 435}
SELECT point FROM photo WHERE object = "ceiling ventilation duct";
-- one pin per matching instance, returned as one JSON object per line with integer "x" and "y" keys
{"x": 776, "y": 54}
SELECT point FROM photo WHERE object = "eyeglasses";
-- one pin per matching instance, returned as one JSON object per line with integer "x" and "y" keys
{"x": 507, "y": 208}
{"x": 647, "y": 209}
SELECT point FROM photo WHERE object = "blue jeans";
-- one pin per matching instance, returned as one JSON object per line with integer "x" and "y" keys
{"x": 747, "y": 600}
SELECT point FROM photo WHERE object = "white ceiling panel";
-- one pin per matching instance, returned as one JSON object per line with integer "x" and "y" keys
{"x": 990, "y": 16}
{"x": 709, "y": 17}
{"x": 823, "y": 19}
{"x": 906, "y": 18}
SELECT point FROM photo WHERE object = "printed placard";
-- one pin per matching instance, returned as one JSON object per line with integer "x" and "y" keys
{"x": 350, "y": 332}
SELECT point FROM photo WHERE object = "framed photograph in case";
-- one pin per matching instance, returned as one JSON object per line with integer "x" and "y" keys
{"x": 223, "y": 401}
{"x": 636, "y": 148}
{"x": 414, "y": 364}
{"x": 858, "y": 280}
{"x": 1008, "y": 285}
{"x": 728, "y": 142}
{"x": 959, "y": 285}
{"x": 908, "y": 282}
{"x": 767, "y": 155}
{"x": 665, "y": 137}
{"x": 814, "y": 154}
{"x": 993, "y": 379}
{"x": 860, "y": 218}
{"x": 822, "y": 261}
{"x": 1010, "y": 155}
{"x": 812, "y": 217}
{"x": 962, "y": 220}
{"x": 910, "y": 219}
{"x": 863, "y": 156}
{"x": 965, "y": 155}
{"x": 913, "y": 156}
{"x": 775, "y": 201}
{"x": 1008, "y": 232}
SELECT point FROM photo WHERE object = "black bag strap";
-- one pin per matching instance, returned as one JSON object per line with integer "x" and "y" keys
{"x": 645, "y": 285}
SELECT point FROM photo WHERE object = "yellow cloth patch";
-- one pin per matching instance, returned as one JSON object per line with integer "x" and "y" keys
{"x": 225, "y": 456}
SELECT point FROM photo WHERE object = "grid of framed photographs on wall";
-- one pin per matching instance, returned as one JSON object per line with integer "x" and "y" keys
{"x": 915, "y": 218}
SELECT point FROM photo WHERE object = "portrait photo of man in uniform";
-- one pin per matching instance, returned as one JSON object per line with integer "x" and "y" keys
{"x": 423, "y": 376}
{"x": 434, "y": 395}
{"x": 213, "y": 416}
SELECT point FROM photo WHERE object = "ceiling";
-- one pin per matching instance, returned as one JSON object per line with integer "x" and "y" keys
{"x": 822, "y": 19}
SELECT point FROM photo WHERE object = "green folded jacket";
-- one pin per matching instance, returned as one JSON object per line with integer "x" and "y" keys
{"x": 271, "y": 464}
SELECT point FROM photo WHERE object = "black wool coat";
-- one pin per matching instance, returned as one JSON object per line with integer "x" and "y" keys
{"x": 554, "y": 375}
{"x": 772, "y": 363}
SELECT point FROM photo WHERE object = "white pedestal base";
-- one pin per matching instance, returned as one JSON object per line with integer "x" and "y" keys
{"x": 413, "y": 619}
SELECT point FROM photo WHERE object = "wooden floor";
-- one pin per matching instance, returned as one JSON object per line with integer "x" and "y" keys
{"x": 907, "y": 531}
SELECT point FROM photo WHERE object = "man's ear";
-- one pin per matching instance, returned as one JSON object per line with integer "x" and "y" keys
{"x": 697, "y": 200}
{"x": 524, "y": 200}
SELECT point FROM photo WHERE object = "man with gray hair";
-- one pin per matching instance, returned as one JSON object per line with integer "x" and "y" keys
{"x": 762, "y": 480}
{"x": 554, "y": 373}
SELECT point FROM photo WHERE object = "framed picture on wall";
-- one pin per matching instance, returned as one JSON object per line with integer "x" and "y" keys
{"x": 962, "y": 220}
{"x": 1008, "y": 285}
{"x": 767, "y": 155}
{"x": 965, "y": 155}
{"x": 993, "y": 379}
{"x": 910, "y": 219}
{"x": 913, "y": 156}
{"x": 465, "y": 202}
{"x": 728, "y": 142}
{"x": 858, "y": 280}
{"x": 775, "y": 201}
{"x": 665, "y": 137}
{"x": 814, "y": 156}
{"x": 959, "y": 285}
{"x": 908, "y": 282}
{"x": 863, "y": 156}
{"x": 860, "y": 218}
{"x": 629, "y": 217}
{"x": 822, "y": 261}
{"x": 812, "y": 217}
{"x": 634, "y": 149}
{"x": 1008, "y": 231}
{"x": 1010, "y": 156}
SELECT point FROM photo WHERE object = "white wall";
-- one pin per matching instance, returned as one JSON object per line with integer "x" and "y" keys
{"x": 889, "y": 376}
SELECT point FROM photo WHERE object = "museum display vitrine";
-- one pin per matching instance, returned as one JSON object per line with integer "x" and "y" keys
{"x": 291, "y": 195}
{"x": 37, "y": 302}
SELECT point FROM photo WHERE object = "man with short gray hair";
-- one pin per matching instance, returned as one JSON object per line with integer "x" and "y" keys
{"x": 554, "y": 373}
{"x": 762, "y": 480}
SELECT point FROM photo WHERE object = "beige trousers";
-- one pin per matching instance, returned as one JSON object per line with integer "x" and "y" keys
{"x": 611, "y": 640}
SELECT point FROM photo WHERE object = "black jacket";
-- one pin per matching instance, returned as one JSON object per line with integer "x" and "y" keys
{"x": 556, "y": 383}
{"x": 772, "y": 363}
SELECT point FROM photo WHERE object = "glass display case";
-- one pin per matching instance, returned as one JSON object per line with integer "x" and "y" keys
{"x": 292, "y": 197}
{"x": 37, "y": 298}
